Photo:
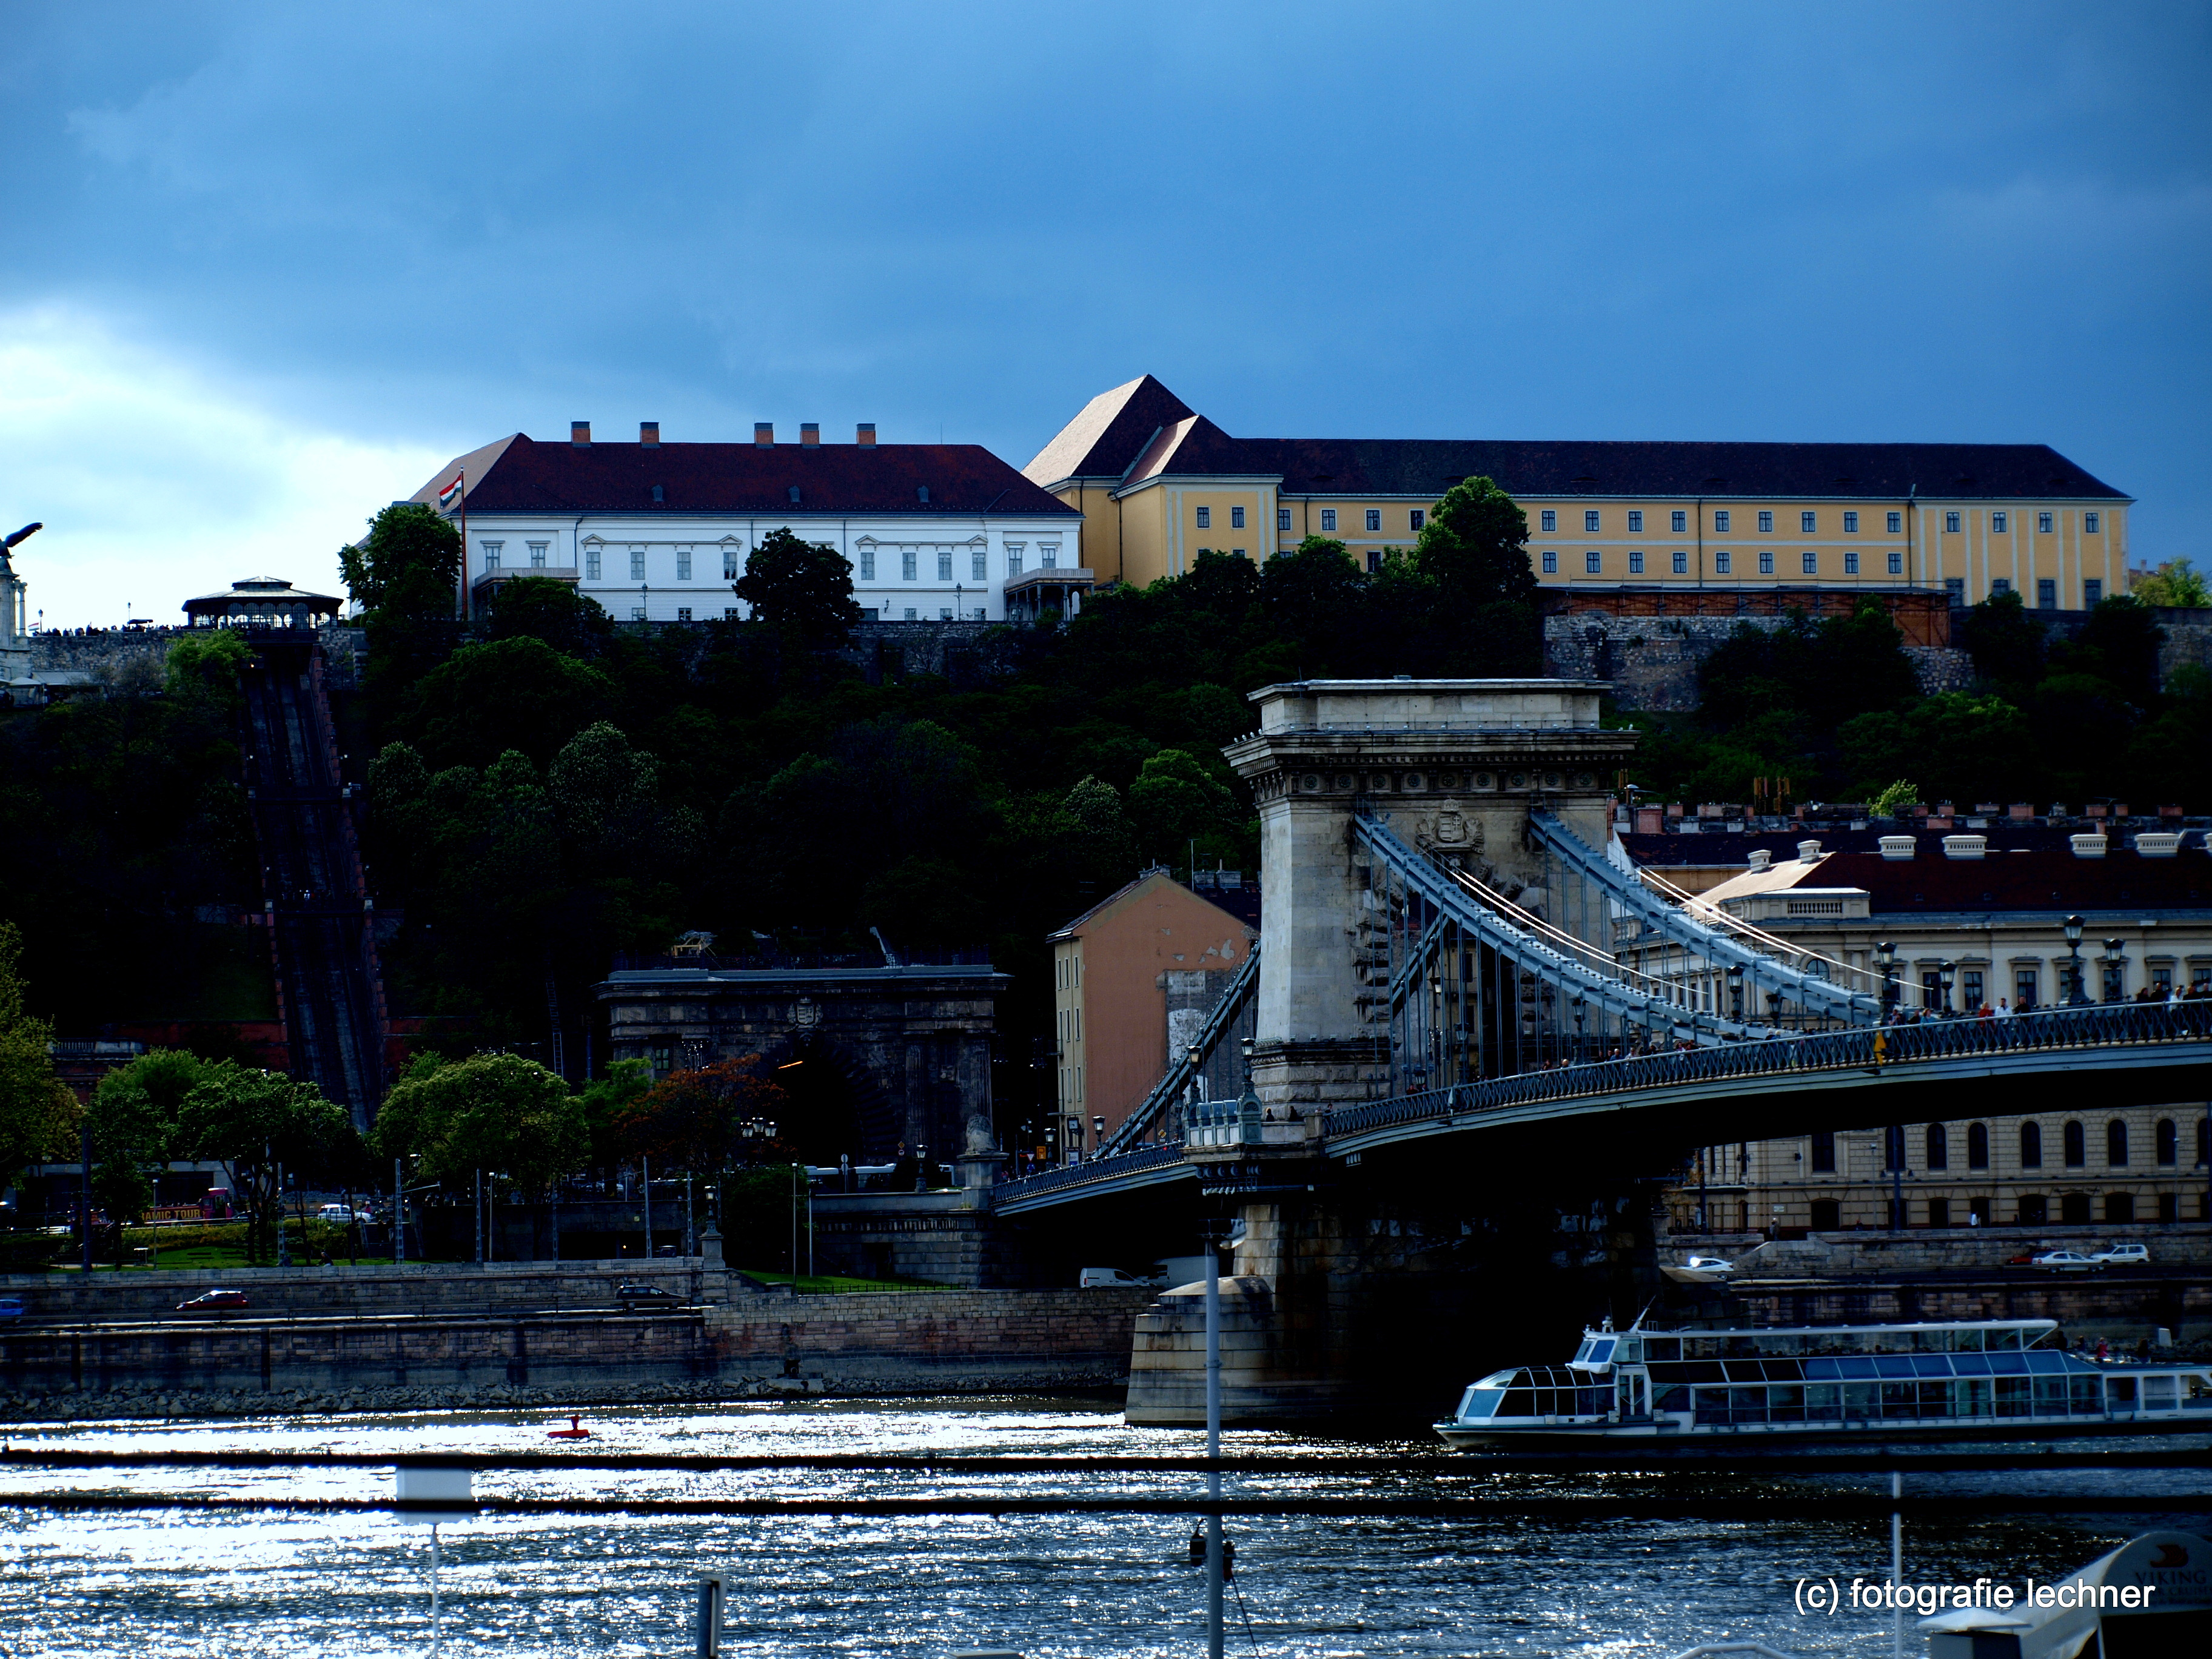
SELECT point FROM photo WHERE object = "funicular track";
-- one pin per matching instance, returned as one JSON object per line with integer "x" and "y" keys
{"x": 314, "y": 895}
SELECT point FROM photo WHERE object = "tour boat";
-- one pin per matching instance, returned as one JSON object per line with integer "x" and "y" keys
{"x": 1796, "y": 1384}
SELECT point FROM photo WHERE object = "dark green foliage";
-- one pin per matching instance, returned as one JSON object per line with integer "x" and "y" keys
{"x": 553, "y": 612}
{"x": 404, "y": 576}
{"x": 803, "y": 586}
{"x": 2006, "y": 642}
{"x": 1474, "y": 547}
{"x": 497, "y": 1113}
{"x": 1961, "y": 747}
{"x": 514, "y": 694}
{"x": 37, "y": 1114}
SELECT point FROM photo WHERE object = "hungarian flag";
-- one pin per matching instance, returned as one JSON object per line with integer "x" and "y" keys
{"x": 452, "y": 492}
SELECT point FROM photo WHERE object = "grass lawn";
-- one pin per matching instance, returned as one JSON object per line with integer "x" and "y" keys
{"x": 837, "y": 1285}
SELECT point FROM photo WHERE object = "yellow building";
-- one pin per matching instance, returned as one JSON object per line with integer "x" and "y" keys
{"x": 1156, "y": 482}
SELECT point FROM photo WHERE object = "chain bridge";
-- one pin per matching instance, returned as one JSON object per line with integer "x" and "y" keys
{"x": 1462, "y": 982}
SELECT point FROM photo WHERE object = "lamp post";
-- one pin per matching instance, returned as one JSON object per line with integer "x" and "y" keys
{"x": 1735, "y": 991}
{"x": 1886, "y": 950}
{"x": 2115, "y": 965}
{"x": 1949, "y": 971}
{"x": 1581, "y": 1009}
{"x": 2074, "y": 924}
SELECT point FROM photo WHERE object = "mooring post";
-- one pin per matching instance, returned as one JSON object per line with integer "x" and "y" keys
{"x": 1213, "y": 1609}
{"x": 710, "y": 1618}
{"x": 1896, "y": 1565}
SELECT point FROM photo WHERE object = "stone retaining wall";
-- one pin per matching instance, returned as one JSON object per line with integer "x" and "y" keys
{"x": 1652, "y": 662}
{"x": 369, "y": 1290}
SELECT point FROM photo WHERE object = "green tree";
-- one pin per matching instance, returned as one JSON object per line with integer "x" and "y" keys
{"x": 517, "y": 693}
{"x": 554, "y": 612}
{"x": 408, "y": 568}
{"x": 2118, "y": 643}
{"x": 1099, "y": 839}
{"x": 1895, "y": 799}
{"x": 38, "y": 1115}
{"x": 2177, "y": 583}
{"x": 605, "y": 1101}
{"x": 251, "y": 1122}
{"x": 1474, "y": 546}
{"x": 133, "y": 1118}
{"x": 804, "y": 586}
{"x": 207, "y": 660}
{"x": 1966, "y": 747}
{"x": 1175, "y": 802}
{"x": 2006, "y": 642}
{"x": 491, "y": 1112}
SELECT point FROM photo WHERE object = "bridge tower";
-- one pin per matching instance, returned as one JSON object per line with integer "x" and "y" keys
{"x": 1453, "y": 768}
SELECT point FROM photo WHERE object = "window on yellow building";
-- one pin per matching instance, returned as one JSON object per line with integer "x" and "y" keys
{"x": 1636, "y": 561}
{"x": 1374, "y": 517}
{"x": 1635, "y": 522}
{"x": 1850, "y": 564}
{"x": 1205, "y": 517}
{"x": 1850, "y": 524}
{"x": 2093, "y": 594}
{"x": 1767, "y": 564}
{"x": 1551, "y": 561}
{"x": 1897, "y": 564}
{"x": 1807, "y": 521}
{"x": 1681, "y": 523}
{"x": 2089, "y": 521}
{"x": 1896, "y": 523}
{"x": 1682, "y": 561}
{"x": 1589, "y": 519}
{"x": 1282, "y": 518}
{"x": 1999, "y": 584}
{"x": 1720, "y": 561}
{"x": 1417, "y": 517}
{"x": 1766, "y": 522}
{"x": 1373, "y": 558}
{"x": 1594, "y": 563}
{"x": 1998, "y": 522}
{"x": 1951, "y": 524}
{"x": 1328, "y": 518}
{"x": 1236, "y": 518}
{"x": 1551, "y": 521}
{"x": 2043, "y": 522}
{"x": 1811, "y": 564}
{"x": 1721, "y": 519}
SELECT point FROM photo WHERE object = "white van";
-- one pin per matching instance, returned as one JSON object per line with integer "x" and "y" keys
{"x": 1111, "y": 1279}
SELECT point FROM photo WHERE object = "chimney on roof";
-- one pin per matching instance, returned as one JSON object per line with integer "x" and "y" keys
{"x": 865, "y": 436}
{"x": 1808, "y": 852}
{"x": 1898, "y": 848}
{"x": 809, "y": 432}
{"x": 2089, "y": 847}
{"x": 648, "y": 434}
{"x": 1760, "y": 859}
{"x": 764, "y": 434}
{"x": 1965, "y": 847}
{"x": 580, "y": 434}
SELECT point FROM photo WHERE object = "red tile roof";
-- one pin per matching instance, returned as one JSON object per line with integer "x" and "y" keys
{"x": 964, "y": 479}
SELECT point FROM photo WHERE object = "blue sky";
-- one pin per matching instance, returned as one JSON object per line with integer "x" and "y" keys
{"x": 266, "y": 265}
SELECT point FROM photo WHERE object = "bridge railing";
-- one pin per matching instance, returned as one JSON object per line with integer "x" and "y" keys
{"x": 2102, "y": 1026}
{"x": 1085, "y": 1174}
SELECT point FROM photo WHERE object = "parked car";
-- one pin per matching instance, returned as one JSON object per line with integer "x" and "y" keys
{"x": 215, "y": 1301}
{"x": 631, "y": 1294}
{"x": 2066, "y": 1261}
{"x": 1112, "y": 1279}
{"x": 1700, "y": 1270}
{"x": 11, "y": 1307}
{"x": 339, "y": 1213}
{"x": 2124, "y": 1256}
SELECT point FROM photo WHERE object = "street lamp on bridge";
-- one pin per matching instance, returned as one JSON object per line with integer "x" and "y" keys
{"x": 1886, "y": 949}
{"x": 1947, "y": 971}
{"x": 1735, "y": 991}
{"x": 2074, "y": 926}
{"x": 2116, "y": 963}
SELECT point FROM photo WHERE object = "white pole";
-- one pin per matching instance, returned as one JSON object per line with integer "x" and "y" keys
{"x": 646, "y": 1165}
{"x": 399, "y": 1224}
{"x": 437, "y": 1634}
{"x": 1896, "y": 1565}
{"x": 1213, "y": 1610}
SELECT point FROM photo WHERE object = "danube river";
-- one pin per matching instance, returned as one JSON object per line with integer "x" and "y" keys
{"x": 233, "y": 1584}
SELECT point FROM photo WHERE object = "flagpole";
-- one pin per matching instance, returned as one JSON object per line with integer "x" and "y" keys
{"x": 462, "y": 480}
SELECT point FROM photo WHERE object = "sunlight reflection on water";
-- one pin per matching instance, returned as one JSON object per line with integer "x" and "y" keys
{"x": 166, "y": 1582}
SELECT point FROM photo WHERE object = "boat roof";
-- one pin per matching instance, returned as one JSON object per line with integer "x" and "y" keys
{"x": 1805, "y": 1330}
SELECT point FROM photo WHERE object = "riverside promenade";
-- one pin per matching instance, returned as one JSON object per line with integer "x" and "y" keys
{"x": 442, "y": 1336}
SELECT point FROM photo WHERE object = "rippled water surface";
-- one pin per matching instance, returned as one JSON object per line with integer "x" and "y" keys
{"x": 167, "y": 1582}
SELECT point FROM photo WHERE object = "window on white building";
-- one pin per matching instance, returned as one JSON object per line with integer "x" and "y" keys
{"x": 682, "y": 564}
{"x": 1048, "y": 555}
{"x": 683, "y": 613}
{"x": 909, "y": 565}
{"x": 591, "y": 564}
{"x": 637, "y": 564}
{"x": 730, "y": 613}
{"x": 731, "y": 551}
{"x": 1014, "y": 558}
{"x": 944, "y": 564}
{"x": 537, "y": 555}
{"x": 944, "y": 614}
{"x": 980, "y": 565}
{"x": 868, "y": 565}
{"x": 491, "y": 554}
{"x": 637, "y": 613}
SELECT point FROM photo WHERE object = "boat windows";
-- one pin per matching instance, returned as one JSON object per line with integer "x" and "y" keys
{"x": 1662, "y": 1347}
{"x": 2015, "y": 1396}
{"x": 2158, "y": 1394}
{"x": 2197, "y": 1396}
{"x": 1823, "y": 1401}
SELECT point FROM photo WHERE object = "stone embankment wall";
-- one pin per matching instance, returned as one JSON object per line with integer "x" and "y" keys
{"x": 2125, "y": 1308}
{"x": 736, "y": 1343}
{"x": 370, "y": 1290}
{"x": 1652, "y": 662}
{"x": 112, "y": 655}
{"x": 1830, "y": 1255}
